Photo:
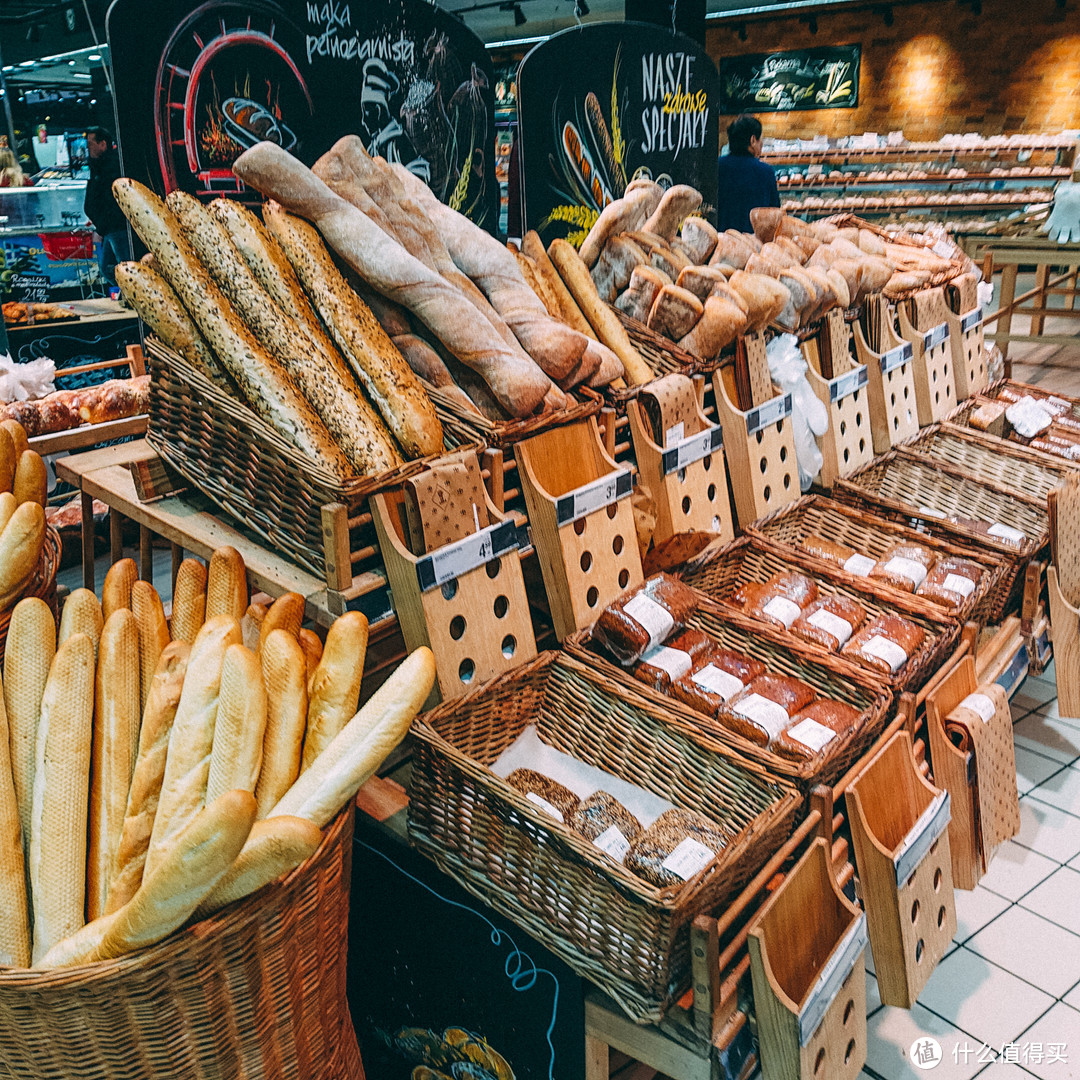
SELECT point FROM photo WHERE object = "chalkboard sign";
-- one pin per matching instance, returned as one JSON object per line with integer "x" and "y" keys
{"x": 599, "y": 105}
{"x": 30, "y": 288}
{"x": 196, "y": 84}
{"x": 824, "y": 78}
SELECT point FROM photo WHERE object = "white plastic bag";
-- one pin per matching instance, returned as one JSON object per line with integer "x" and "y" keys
{"x": 809, "y": 417}
{"x": 23, "y": 382}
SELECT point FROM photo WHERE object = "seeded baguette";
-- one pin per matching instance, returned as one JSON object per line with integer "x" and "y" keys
{"x": 324, "y": 380}
{"x": 261, "y": 380}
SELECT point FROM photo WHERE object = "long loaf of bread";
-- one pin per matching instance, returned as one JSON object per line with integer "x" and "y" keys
{"x": 323, "y": 379}
{"x": 18, "y": 436}
{"x": 334, "y": 689}
{"x": 189, "y": 601}
{"x": 200, "y": 857}
{"x": 240, "y": 725}
{"x": 226, "y": 584}
{"x": 284, "y": 672}
{"x": 187, "y": 767}
{"x": 20, "y": 551}
{"x": 145, "y": 788}
{"x": 115, "y": 746}
{"x": 520, "y": 386}
{"x": 77, "y": 947}
{"x": 260, "y": 378}
{"x": 153, "y": 634}
{"x": 81, "y": 615}
{"x": 374, "y": 360}
{"x": 61, "y": 787}
{"x": 31, "y": 481}
{"x": 116, "y": 592}
{"x": 363, "y": 744}
{"x": 9, "y": 460}
{"x": 285, "y": 613}
{"x": 566, "y": 307}
{"x": 14, "y": 913}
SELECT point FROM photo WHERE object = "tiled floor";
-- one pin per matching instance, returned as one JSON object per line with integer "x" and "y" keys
{"x": 1004, "y": 1004}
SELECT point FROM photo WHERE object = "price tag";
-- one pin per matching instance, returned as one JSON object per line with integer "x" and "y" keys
{"x": 595, "y": 496}
{"x": 30, "y": 288}
{"x": 981, "y": 705}
{"x": 777, "y": 408}
{"x": 897, "y": 357}
{"x": 943, "y": 249}
{"x": 467, "y": 554}
{"x": 691, "y": 449}
{"x": 845, "y": 385}
{"x": 933, "y": 821}
{"x": 971, "y": 320}
{"x": 932, "y": 338}
{"x": 837, "y": 968}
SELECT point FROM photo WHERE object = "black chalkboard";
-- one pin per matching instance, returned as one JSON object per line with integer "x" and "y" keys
{"x": 603, "y": 103}
{"x": 198, "y": 83}
{"x": 824, "y": 78}
{"x": 30, "y": 288}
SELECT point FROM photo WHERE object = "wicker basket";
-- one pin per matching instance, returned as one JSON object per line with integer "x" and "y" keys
{"x": 624, "y": 934}
{"x": 41, "y": 585}
{"x": 915, "y": 491}
{"x": 256, "y": 991}
{"x": 1006, "y": 465}
{"x": 813, "y": 515}
{"x": 837, "y": 678}
{"x": 243, "y": 465}
{"x": 718, "y": 575}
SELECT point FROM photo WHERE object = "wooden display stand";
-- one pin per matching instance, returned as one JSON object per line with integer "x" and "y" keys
{"x": 1063, "y": 586}
{"x": 935, "y": 383}
{"x": 980, "y": 775}
{"x": 899, "y": 829}
{"x": 965, "y": 318}
{"x": 582, "y": 521}
{"x": 848, "y": 444}
{"x": 806, "y": 961}
{"x": 465, "y": 599}
{"x": 890, "y": 387}
{"x": 686, "y": 476}
{"x": 760, "y": 442}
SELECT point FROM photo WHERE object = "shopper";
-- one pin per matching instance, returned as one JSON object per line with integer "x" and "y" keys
{"x": 11, "y": 174}
{"x": 100, "y": 205}
{"x": 745, "y": 182}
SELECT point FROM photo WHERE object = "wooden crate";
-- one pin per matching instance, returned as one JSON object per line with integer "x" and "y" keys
{"x": 932, "y": 362}
{"x": 807, "y": 949}
{"x": 890, "y": 387}
{"x": 899, "y": 829}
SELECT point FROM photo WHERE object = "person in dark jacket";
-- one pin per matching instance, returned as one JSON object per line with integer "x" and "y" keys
{"x": 745, "y": 182}
{"x": 100, "y": 205}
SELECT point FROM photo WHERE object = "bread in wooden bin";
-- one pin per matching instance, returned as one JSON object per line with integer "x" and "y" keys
{"x": 830, "y": 621}
{"x": 676, "y": 204}
{"x": 639, "y": 296}
{"x": 644, "y": 617}
{"x": 816, "y": 729}
{"x": 951, "y": 581}
{"x": 904, "y": 566}
{"x": 700, "y": 237}
{"x": 765, "y": 708}
{"x": 650, "y": 854}
{"x": 601, "y": 812}
{"x": 720, "y": 324}
{"x": 553, "y": 798}
{"x": 886, "y": 643}
{"x": 674, "y": 312}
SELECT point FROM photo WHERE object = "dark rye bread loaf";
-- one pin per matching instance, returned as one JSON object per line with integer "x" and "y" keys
{"x": 658, "y": 843}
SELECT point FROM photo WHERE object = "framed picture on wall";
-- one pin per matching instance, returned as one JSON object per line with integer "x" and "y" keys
{"x": 822, "y": 78}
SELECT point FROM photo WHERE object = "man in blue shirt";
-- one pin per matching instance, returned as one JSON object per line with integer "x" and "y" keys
{"x": 745, "y": 182}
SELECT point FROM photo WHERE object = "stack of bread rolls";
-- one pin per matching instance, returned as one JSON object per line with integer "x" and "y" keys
{"x": 66, "y": 409}
{"x": 152, "y": 773}
{"x": 24, "y": 486}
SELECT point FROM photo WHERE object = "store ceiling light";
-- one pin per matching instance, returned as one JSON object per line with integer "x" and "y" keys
{"x": 81, "y": 75}
{"x": 94, "y": 56}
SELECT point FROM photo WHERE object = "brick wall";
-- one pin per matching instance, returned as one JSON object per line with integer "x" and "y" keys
{"x": 939, "y": 68}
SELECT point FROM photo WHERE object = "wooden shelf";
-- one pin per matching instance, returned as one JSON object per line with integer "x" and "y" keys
{"x": 916, "y": 181}
{"x": 909, "y": 150}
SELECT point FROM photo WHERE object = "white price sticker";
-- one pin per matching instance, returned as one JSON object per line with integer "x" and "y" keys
{"x": 840, "y": 629}
{"x": 897, "y": 357}
{"x": 717, "y": 681}
{"x": 613, "y": 842}
{"x": 913, "y": 571}
{"x": 782, "y": 609}
{"x": 935, "y": 336}
{"x": 674, "y": 661}
{"x": 654, "y": 619}
{"x": 764, "y": 712}
{"x": 943, "y": 249}
{"x": 884, "y": 649}
{"x": 592, "y": 497}
{"x": 980, "y": 704}
{"x": 539, "y": 800}
{"x": 1007, "y": 533}
{"x": 957, "y": 583}
{"x": 860, "y": 565}
{"x": 674, "y": 434}
{"x": 811, "y": 734}
{"x": 690, "y": 857}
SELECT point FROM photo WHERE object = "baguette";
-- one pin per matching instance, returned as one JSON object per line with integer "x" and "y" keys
{"x": 261, "y": 380}
{"x": 20, "y": 550}
{"x": 284, "y": 672}
{"x": 251, "y": 625}
{"x": 273, "y": 849}
{"x": 17, "y": 433}
{"x": 201, "y": 856}
{"x": 621, "y": 215}
{"x": 145, "y": 788}
{"x": 362, "y": 745}
{"x": 81, "y": 615}
{"x": 116, "y": 592}
{"x": 153, "y": 634}
{"x": 608, "y": 329}
{"x": 28, "y": 655}
{"x": 520, "y": 386}
{"x": 189, "y": 600}
{"x": 9, "y": 461}
{"x": 322, "y": 378}
{"x": 159, "y": 307}
{"x": 285, "y": 613}
{"x": 566, "y": 307}
{"x": 334, "y": 689}
{"x": 77, "y": 947}
{"x": 191, "y": 741}
{"x": 31, "y": 483}
{"x": 115, "y": 746}
{"x": 14, "y": 913}
{"x": 372, "y": 356}
{"x": 240, "y": 725}
{"x": 312, "y": 647}
{"x": 61, "y": 787}
{"x": 226, "y": 585}
{"x": 8, "y": 505}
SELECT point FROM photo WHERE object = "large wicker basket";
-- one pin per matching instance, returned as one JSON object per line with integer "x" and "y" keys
{"x": 626, "y": 935}
{"x": 257, "y": 992}
{"x": 41, "y": 585}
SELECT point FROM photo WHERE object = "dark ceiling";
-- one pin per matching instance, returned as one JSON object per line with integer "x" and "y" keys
{"x": 30, "y": 30}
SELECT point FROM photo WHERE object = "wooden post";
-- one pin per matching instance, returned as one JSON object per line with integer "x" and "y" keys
{"x": 1042, "y": 276}
{"x": 146, "y": 554}
{"x": 116, "y": 535}
{"x": 87, "y": 503}
{"x": 1005, "y": 301}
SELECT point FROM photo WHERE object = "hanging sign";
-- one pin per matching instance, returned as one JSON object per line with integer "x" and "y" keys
{"x": 822, "y": 78}
{"x": 602, "y": 104}
{"x": 197, "y": 84}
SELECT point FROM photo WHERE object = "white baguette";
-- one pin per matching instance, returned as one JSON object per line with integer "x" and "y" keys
{"x": 363, "y": 745}
{"x": 77, "y": 947}
{"x": 20, "y": 551}
{"x": 14, "y": 913}
{"x": 116, "y": 592}
{"x": 31, "y": 483}
{"x": 189, "y": 601}
{"x": 334, "y": 689}
{"x": 284, "y": 672}
{"x": 285, "y": 613}
{"x": 226, "y": 584}
{"x": 153, "y": 634}
{"x": 81, "y": 615}
{"x": 240, "y": 725}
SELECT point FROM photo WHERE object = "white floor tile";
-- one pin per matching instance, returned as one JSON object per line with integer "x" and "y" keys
{"x": 1015, "y": 870}
{"x": 975, "y": 909}
{"x": 891, "y": 1033}
{"x": 1034, "y": 694}
{"x": 1053, "y": 738}
{"x": 1047, "y": 830}
{"x": 1034, "y": 949}
{"x": 1005, "y": 1070}
{"x": 1060, "y": 1025}
{"x": 1032, "y": 769}
{"x": 1058, "y": 899}
{"x": 985, "y": 1001}
{"x": 1061, "y": 790}
{"x": 1073, "y": 997}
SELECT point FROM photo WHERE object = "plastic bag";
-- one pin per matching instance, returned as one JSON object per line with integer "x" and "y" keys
{"x": 809, "y": 417}
{"x": 23, "y": 382}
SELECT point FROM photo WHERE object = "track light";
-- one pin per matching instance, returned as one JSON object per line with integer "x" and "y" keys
{"x": 519, "y": 16}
